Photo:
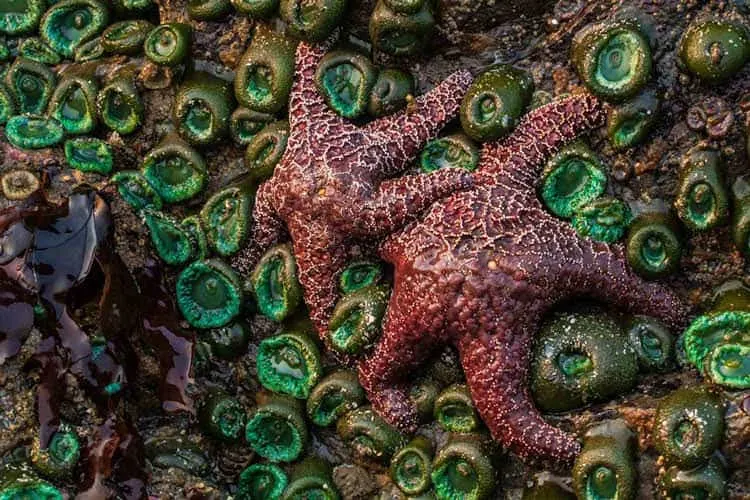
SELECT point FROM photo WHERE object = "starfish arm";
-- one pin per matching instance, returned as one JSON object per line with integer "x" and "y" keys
{"x": 404, "y": 134}
{"x": 496, "y": 371}
{"x": 267, "y": 230}
{"x": 397, "y": 201}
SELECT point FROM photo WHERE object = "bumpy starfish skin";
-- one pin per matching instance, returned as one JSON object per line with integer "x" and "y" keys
{"x": 481, "y": 268}
{"x": 331, "y": 189}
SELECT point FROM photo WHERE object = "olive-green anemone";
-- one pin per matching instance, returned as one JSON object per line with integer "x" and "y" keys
{"x": 177, "y": 452}
{"x": 453, "y": 151}
{"x": 345, "y": 79}
{"x": 630, "y": 123}
{"x": 89, "y": 154}
{"x": 391, "y": 92}
{"x": 572, "y": 178}
{"x": 169, "y": 44}
{"x": 411, "y": 467}
{"x": 262, "y": 482}
{"x": 312, "y": 20}
{"x": 202, "y": 108}
{"x": 256, "y": 8}
{"x": 714, "y": 50}
{"x": 741, "y": 215}
{"x": 654, "y": 245}
{"x": 653, "y": 343}
{"x": 19, "y": 184}
{"x": 192, "y": 225}
{"x": 126, "y": 37}
{"x": 33, "y": 131}
{"x": 223, "y": 417}
{"x": 171, "y": 241}
{"x": 463, "y": 469}
{"x": 335, "y": 395}
{"x": 355, "y": 322}
{"x": 423, "y": 394}
{"x": 399, "y": 33}
{"x": 226, "y": 218}
{"x": 360, "y": 274}
{"x": 229, "y": 342}
{"x": 209, "y": 294}
{"x": 707, "y": 482}
{"x": 706, "y": 332}
{"x": 289, "y": 363}
{"x": 73, "y": 103}
{"x": 7, "y": 104}
{"x": 36, "y": 49}
{"x": 89, "y": 51}
{"x": 119, "y": 103}
{"x": 579, "y": 358}
{"x": 702, "y": 200}
{"x": 31, "y": 84}
{"x": 208, "y": 10}
{"x": 245, "y": 123}
{"x": 689, "y": 426}
{"x": 175, "y": 170}
{"x": 613, "y": 59}
{"x": 605, "y": 219}
{"x": 454, "y": 410}
{"x": 311, "y": 478}
{"x": 19, "y": 482}
{"x": 265, "y": 150}
{"x": 60, "y": 457}
{"x": 495, "y": 102}
{"x": 276, "y": 430}
{"x": 264, "y": 75}
{"x": 136, "y": 191}
{"x": 369, "y": 436}
{"x": 274, "y": 281}
{"x": 21, "y": 16}
{"x": 732, "y": 295}
{"x": 70, "y": 23}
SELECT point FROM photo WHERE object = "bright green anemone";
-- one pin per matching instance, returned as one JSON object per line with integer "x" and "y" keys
{"x": 126, "y": 37}
{"x": 729, "y": 365}
{"x": 209, "y": 294}
{"x": 702, "y": 200}
{"x": 571, "y": 179}
{"x": 355, "y": 322}
{"x": 170, "y": 239}
{"x": 20, "y": 16}
{"x": 262, "y": 482}
{"x": 136, "y": 191}
{"x": 226, "y": 218}
{"x": 202, "y": 108}
{"x": 73, "y": 103}
{"x": 411, "y": 467}
{"x": 175, "y": 170}
{"x": 274, "y": 280}
{"x": 289, "y": 363}
{"x": 33, "y": 131}
{"x": 454, "y": 410}
{"x": 604, "y": 219}
{"x": 89, "y": 154}
{"x": 277, "y": 430}
{"x": 345, "y": 79}
{"x": 706, "y": 332}
{"x": 265, "y": 149}
{"x": 61, "y": 455}
{"x": 605, "y": 468}
{"x": 654, "y": 245}
{"x": 119, "y": 104}
{"x": 36, "y": 49}
{"x": 7, "y": 104}
{"x": 358, "y": 275}
{"x": 453, "y": 151}
{"x": 70, "y": 23}
{"x": 335, "y": 395}
{"x": 630, "y": 123}
{"x": 368, "y": 435}
{"x": 462, "y": 469}
{"x": 32, "y": 85}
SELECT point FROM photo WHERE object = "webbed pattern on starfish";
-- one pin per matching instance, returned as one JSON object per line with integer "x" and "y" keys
{"x": 481, "y": 268}
{"x": 333, "y": 188}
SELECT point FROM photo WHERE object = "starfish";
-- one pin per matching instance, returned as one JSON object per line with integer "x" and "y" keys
{"x": 480, "y": 269}
{"x": 333, "y": 188}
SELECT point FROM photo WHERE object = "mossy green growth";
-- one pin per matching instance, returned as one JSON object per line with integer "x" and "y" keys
{"x": 19, "y": 184}
{"x": 312, "y": 21}
{"x": 262, "y": 482}
{"x": 653, "y": 343}
{"x": 454, "y": 410}
{"x": 265, "y": 149}
{"x": 368, "y": 435}
{"x": 495, "y": 102}
{"x": 18, "y": 482}
{"x": 345, "y": 79}
{"x": 401, "y": 34}
{"x": 613, "y": 59}
{"x": 579, "y": 358}
{"x": 264, "y": 75}
{"x": 360, "y": 274}
{"x": 119, "y": 104}
{"x": 209, "y": 294}
{"x": 335, "y": 395}
{"x": 126, "y": 37}
{"x": 245, "y": 123}
{"x": 226, "y": 219}
{"x": 702, "y": 200}
{"x": 60, "y": 457}
{"x": 276, "y": 430}
{"x": 73, "y": 103}
{"x": 654, "y": 245}
{"x": 31, "y": 84}
{"x": 208, "y": 10}
{"x": 7, "y": 104}
{"x": 202, "y": 108}
{"x": 605, "y": 468}
{"x": 275, "y": 284}
{"x": 136, "y": 191}
{"x": 33, "y": 131}
{"x": 630, "y": 123}
{"x": 169, "y": 44}
{"x": 311, "y": 478}
{"x": 89, "y": 154}
{"x": 572, "y": 178}
{"x": 289, "y": 363}
{"x": 256, "y": 8}
{"x": 729, "y": 365}
{"x": 18, "y": 17}
{"x": 714, "y": 50}
{"x": 741, "y": 215}
{"x": 36, "y": 49}
{"x": 391, "y": 92}
{"x": 356, "y": 321}
{"x": 689, "y": 426}
{"x": 708, "y": 482}
{"x": 175, "y": 170}
{"x": 411, "y": 467}
{"x": 171, "y": 241}
{"x": 707, "y": 332}
{"x": 463, "y": 469}
{"x": 70, "y": 23}
{"x": 605, "y": 219}
{"x": 223, "y": 417}
{"x": 453, "y": 151}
